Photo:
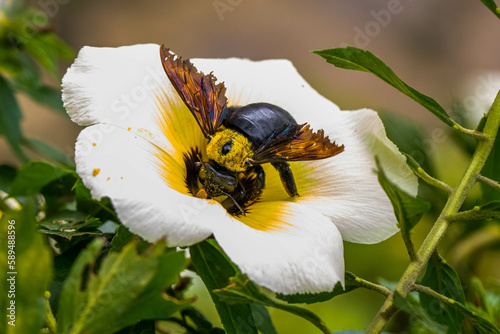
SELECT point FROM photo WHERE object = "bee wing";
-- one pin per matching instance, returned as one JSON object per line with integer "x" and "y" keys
{"x": 204, "y": 98}
{"x": 296, "y": 143}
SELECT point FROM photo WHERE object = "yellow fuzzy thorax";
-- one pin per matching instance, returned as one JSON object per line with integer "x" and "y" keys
{"x": 240, "y": 152}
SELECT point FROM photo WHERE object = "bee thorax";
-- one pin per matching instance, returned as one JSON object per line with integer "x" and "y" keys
{"x": 230, "y": 149}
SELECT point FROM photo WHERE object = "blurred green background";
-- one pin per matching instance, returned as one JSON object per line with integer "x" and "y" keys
{"x": 440, "y": 48}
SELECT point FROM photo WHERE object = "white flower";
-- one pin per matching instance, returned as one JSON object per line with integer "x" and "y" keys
{"x": 138, "y": 130}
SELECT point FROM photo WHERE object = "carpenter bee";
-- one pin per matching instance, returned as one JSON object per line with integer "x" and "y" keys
{"x": 240, "y": 139}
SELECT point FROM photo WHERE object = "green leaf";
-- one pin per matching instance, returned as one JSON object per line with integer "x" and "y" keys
{"x": 123, "y": 236}
{"x": 24, "y": 75}
{"x": 481, "y": 324}
{"x": 408, "y": 209}
{"x": 485, "y": 310}
{"x": 20, "y": 68}
{"x": 29, "y": 270}
{"x": 443, "y": 279}
{"x": 479, "y": 319}
{"x": 352, "y": 58}
{"x": 215, "y": 269}
{"x": 477, "y": 316}
{"x": 47, "y": 49}
{"x": 34, "y": 176}
{"x": 7, "y": 174}
{"x": 62, "y": 267}
{"x": 58, "y": 194}
{"x": 142, "y": 327}
{"x": 10, "y": 119}
{"x": 200, "y": 321}
{"x": 47, "y": 151}
{"x": 85, "y": 203}
{"x": 262, "y": 319}
{"x": 417, "y": 313}
{"x": 70, "y": 224}
{"x": 126, "y": 289}
{"x": 492, "y": 7}
{"x": 352, "y": 331}
{"x": 480, "y": 298}
{"x": 242, "y": 290}
{"x": 309, "y": 298}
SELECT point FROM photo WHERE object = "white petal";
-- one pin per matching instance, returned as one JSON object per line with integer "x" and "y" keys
{"x": 115, "y": 85}
{"x": 123, "y": 166}
{"x": 345, "y": 187}
{"x": 301, "y": 252}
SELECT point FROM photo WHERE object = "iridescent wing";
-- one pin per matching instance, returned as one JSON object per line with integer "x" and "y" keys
{"x": 204, "y": 98}
{"x": 296, "y": 143}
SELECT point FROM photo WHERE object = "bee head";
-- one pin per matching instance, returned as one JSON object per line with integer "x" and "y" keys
{"x": 215, "y": 181}
{"x": 230, "y": 149}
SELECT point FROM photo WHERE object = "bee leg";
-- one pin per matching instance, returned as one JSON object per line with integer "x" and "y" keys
{"x": 261, "y": 177}
{"x": 286, "y": 177}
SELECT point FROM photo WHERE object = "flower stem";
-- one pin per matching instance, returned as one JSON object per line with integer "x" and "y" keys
{"x": 474, "y": 214}
{"x": 492, "y": 183}
{"x": 371, "y": 286}
{"x": 428, "y": 291}
{"x": 474, "y": 133}
{"x": 455, "y": 201}
{"x": 49, "y": 316}
{"x": 405, "y": 233}
{"x": 424, "y": 176}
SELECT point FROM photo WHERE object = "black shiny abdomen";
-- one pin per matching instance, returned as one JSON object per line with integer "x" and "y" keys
{"x": 257, "y": 121}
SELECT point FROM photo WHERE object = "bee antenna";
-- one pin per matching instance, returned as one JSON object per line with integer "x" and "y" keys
{"x": 236, "y": 203}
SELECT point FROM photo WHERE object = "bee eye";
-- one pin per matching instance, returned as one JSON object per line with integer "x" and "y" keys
{"x": 227, "y": 147}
